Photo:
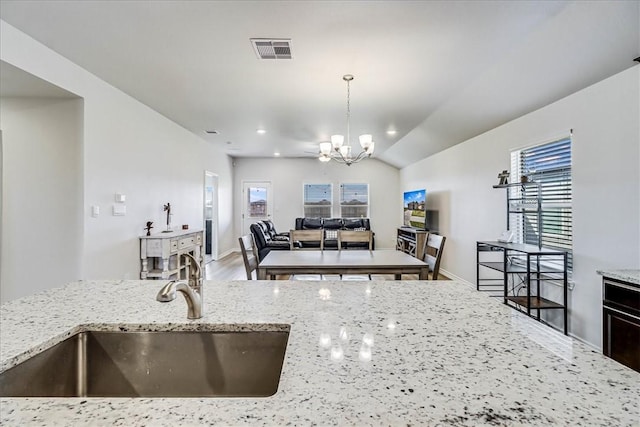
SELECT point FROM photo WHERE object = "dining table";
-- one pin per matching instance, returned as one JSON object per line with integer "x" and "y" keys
{"x": 341, "y": 262}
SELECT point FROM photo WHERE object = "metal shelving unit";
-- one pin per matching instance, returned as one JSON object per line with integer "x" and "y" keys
{"x": 533, "y": 266}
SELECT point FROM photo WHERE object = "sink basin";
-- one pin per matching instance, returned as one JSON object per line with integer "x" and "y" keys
{"x": 153, "y": 364}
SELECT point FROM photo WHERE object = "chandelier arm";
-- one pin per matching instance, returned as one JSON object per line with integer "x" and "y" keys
{"x": 339, "y": 159}
{"x": 361, "y": 155}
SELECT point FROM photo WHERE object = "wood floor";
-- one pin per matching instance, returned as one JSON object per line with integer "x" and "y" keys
{"x": 231, "y": 267}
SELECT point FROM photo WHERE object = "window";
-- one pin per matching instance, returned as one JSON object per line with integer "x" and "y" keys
{"x": 317, "y": 200}
{"x": 549, "y": 165}
{"x": 354, "y": 200}
{"x": 257, "y": 202}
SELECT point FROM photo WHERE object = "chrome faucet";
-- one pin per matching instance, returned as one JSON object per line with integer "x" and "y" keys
{"x": 191, "y": 289}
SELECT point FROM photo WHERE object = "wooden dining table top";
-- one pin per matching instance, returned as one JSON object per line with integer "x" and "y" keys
{"x": 360, "y": 258}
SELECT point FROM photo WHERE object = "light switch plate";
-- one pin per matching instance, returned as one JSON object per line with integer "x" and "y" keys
{"x": 95, "y": 211}
{"x": 121, "y": 198}
{"x": 119, "y": 210}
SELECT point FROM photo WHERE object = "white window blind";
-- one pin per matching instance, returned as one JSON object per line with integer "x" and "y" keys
{"x": 317, "y": 200}
{"x": 354, "y": 200}
{"x": 549, "y": 165}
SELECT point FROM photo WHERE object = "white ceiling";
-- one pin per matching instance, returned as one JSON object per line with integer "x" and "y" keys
{"x": 438, "y": 72}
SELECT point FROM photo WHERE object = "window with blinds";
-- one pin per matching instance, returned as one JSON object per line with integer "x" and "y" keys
{"x": 549, "y": 165}
{"x": 317, "y": 200}
{"x": 354, "y": 200}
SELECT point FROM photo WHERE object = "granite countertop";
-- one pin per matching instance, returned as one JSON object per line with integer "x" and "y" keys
{"x": 631, "y": 276}
{"x": 441, "y": 354}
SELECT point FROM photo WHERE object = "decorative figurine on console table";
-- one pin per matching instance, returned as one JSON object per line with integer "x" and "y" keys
{"x": 167, "y": 209}
{"x": 504, "y": 177}
{"x": 149, "y": 227}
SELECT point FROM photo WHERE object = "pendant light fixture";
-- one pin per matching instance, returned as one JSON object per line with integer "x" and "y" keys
{"x": 340, "y": 151}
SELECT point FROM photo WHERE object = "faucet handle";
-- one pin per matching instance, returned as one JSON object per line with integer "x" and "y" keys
{"x": 167, "y": 293}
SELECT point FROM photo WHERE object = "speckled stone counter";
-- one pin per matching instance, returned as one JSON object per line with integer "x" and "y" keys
{"x": 359, "y": 353}
{"x": 629, "y": 276}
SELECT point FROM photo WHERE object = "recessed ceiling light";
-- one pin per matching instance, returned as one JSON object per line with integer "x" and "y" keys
{"x": 276, "y": 154}
{"x": 261, "y": 131}
{"x": 391, "y": 132}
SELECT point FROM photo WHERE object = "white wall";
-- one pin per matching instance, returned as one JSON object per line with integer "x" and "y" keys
{"x": 42, "y": 201}
{"x": 606, "y": 188}
{"x": 127, "y": 148}
{"x": 288, "y": 175}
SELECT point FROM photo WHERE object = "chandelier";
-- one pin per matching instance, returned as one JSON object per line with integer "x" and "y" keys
{"x": 337, "y": 149}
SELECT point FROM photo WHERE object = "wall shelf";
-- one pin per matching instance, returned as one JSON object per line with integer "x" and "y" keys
{"x": 522, "y": 203}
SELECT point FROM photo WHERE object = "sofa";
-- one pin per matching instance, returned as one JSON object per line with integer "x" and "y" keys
{"x": 331, "y": 227}
{"x": 268, "y": 239}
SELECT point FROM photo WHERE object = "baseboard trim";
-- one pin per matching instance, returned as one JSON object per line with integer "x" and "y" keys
{"x": 226, "y": 253}
{"x": 452, "y": 276}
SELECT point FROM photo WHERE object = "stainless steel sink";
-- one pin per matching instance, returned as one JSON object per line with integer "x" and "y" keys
{"x": 153, "y": 364}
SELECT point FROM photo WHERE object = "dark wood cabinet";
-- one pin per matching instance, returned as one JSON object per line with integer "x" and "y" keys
{"x": 621, "y": 322}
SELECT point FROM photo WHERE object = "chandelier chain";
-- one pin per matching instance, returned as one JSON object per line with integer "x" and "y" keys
{"x": 348, "y": 112}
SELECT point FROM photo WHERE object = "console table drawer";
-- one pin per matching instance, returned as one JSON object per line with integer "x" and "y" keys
{"x": 187, "y": 242}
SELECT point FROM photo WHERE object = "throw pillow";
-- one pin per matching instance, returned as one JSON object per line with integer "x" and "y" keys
{"x": 331, "y": 234}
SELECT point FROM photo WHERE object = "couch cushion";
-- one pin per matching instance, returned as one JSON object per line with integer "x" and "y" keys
{"x": 278, "y": 244}
{"x": 352, "y": 223}
{"x": 259, "y": 235}
{"x": 332, "y": 223}
{"x": 311, "y": 223}
{"x": 271, "y": 229}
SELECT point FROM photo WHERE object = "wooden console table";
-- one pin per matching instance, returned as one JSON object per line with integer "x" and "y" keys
{"x": 411, "y": 241}
{"x": 160, "y": 254}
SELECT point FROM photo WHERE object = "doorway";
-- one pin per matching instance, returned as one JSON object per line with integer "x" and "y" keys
{"x": 257, "y": 203}
{"x": 210, "y": 216}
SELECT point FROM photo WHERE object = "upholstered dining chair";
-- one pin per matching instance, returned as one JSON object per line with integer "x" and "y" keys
{"x": 353, "y": 236}
{"x": 315, "y": 240}
{"x": 297, "y": 238}
{"x": 249, "y": 255}
{"x": 433, "y": 247}
{"x": 348, "y": 236}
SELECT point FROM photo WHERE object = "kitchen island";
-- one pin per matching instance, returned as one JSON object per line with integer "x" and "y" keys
{"x": 359, "y": 353}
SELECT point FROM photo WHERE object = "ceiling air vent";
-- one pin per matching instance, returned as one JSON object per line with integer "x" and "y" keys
{"x": 272, "y": 48}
